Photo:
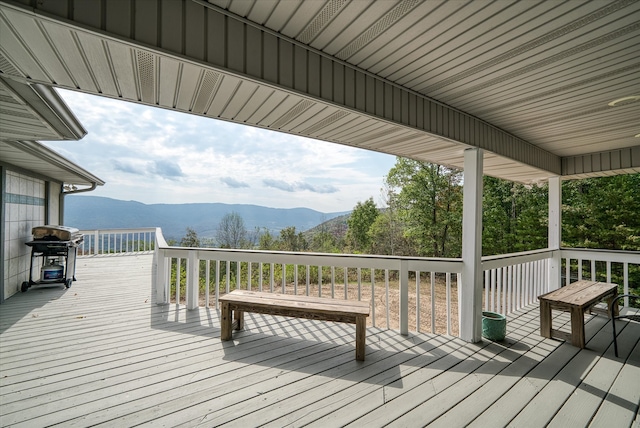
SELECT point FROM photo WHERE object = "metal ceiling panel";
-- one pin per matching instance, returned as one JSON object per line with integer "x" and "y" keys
{"x": 529, "y": 82}
{"x": 264, "y": 108}
{"x": 240, "y": 99}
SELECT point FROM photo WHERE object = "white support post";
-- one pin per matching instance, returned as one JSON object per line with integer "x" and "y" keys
{"x": 192, "y": 280}
{"x": 162, "y": 285}
{"x": 404, "y": 298}
{"x": 555, "y": 230}
{"x": 471, "y": 288}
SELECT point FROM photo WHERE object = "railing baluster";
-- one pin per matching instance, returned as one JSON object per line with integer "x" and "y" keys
{"x": 625, "y": 286}
{"x": 386, "y": 284}
{"x": 178, "y": 260}
{"x": 217, "y": 282}
{"x": 433, "y": 302}
{"x": 579, "y": 269}
{"x": 373, "y": 297}
{"x": 449, "y": 303}
{"x": 486, "y": 290}
{"x": 238, "y": 275}
{"x": 206, "y": 281}
{"x": 418, "y": 301}
{"x": 403, "y": 279}
{"x": 333, "y": 282}
{"x": 346, "y": 284}
{"x": 271, "y": 276}
{"x": 493, "y": 290}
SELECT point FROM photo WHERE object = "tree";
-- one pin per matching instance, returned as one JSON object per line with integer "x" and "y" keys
{"x": 602, "y": 212}
{"x": 360, "y": 221}
{"x": 190, "y": 239}
{"x": 429, "y": 203}
{"x": 290, "y": 241}
{"x": 515, "y": 217}
{"x": 231, "y": 232}
{"x": 266, "y": 240}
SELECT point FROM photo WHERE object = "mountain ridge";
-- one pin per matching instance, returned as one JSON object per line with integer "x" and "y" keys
{"x": 87, "y": 212}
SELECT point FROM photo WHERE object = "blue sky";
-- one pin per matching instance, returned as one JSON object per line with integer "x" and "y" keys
{"x": 152, "y": 155}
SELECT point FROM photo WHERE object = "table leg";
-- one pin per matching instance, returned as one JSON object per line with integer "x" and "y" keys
{"x": 577, "y": 327}
{"x": 361, "y": 331}
{"x": 225, "y": 322}
{"x": 616, "y": 309}
{"x": 545, "y": 319}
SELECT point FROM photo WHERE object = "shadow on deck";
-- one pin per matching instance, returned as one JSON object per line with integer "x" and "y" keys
{"x": 104, "y": 352}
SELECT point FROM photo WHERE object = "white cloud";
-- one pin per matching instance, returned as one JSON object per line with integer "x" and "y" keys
{"x": 154, "y": 155}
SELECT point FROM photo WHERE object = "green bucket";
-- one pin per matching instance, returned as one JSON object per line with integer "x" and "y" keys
{"x": 494, "y": 326}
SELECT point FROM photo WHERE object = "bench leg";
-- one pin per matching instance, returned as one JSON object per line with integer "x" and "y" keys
{"x": 361, "y": 332}
{"x": 225, "y": 321}
{"x": 545, "y": 319}
{"x": 238, "y": 319}
{"x": 577, "y": 327}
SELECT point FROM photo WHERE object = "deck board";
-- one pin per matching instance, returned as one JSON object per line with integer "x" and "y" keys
{"x": 103, "y": 353}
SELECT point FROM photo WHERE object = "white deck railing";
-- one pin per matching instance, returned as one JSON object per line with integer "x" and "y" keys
{"x": 407, "y": 293}
{"x": 601, "y": 265}
{"x": 512, "y": 281}
{"x": 113, "y": 241}
{"x": 383, "y": 280}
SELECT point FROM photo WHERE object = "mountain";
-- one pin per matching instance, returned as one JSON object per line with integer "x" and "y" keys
{"x": 95, "y": 212}
{"x": 336, "y": 227}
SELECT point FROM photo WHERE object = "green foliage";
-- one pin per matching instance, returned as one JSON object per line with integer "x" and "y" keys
{"x": 429, "y": 203}
{"x": 190, "y": 239}
{"x": 515, "y": 217}
{"x": 291, "y": 241}
{"x": 602, "y": 213}
{"x": 360, "y": 221}
{"x": 266, "y": 240}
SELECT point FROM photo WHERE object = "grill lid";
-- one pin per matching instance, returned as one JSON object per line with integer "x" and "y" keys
{"x": 63, "y": 233}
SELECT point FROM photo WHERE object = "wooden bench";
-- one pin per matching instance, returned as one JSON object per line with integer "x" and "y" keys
{"x": 315, "y": 308}
{"x": 576, "y": 298}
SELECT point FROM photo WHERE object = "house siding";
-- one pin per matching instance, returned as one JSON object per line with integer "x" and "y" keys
{"x": 24, "y": 202}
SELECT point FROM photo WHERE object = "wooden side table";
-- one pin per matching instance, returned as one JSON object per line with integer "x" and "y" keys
{"x": 576, "y": 298}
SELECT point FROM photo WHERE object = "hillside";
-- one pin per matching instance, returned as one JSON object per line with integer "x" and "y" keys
{"x": 95, "y": 212}
{"x": 336, "y": 227}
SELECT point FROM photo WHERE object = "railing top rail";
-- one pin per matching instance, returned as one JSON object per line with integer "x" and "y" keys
{"x": 541, "y": 251}
{"x": 351, "y": 260}
{"x": 619, "y": 256}
{"x": 112, "y": 231}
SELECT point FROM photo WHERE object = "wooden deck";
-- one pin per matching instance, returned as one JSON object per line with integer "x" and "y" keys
{"x": 102, "y": 352}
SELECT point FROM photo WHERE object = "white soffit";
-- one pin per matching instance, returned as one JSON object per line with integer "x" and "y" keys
{"x": 544, "y": 72}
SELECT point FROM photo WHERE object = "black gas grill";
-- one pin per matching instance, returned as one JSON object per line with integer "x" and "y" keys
{"x": 55, "y": 247}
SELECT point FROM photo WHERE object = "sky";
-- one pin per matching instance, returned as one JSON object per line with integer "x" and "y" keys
{"x": 153, "y": 155}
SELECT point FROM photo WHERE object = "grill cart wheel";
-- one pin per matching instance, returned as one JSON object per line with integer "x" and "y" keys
{"x": 25, "y": 286}
{"x": 68, "y": 283}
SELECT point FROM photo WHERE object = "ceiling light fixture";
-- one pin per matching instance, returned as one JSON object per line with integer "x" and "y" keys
{"x": 624, "y": 100}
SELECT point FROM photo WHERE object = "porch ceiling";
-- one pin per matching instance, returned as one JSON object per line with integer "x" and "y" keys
{"x": 529, "y": 82}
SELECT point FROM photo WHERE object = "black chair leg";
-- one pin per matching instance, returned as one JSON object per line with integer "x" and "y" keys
{"x": 615, "y": 341}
